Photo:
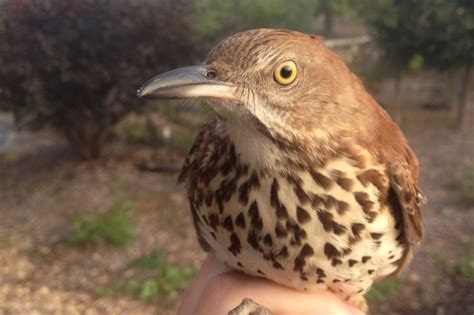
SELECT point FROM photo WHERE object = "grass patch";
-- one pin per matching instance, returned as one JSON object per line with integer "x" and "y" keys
{"x": 464, "y": 267}
{"x": 383, "y": 289}
{"x": 465, "y": 186}
{"x": 113, "y": 227}
{"x": 5, "y": 241}
{"x": 158, "y": 279}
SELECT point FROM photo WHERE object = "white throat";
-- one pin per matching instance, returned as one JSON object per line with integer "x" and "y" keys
{"x": 252, "y": 147}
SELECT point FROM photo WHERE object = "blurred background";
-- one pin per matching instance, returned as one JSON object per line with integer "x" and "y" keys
{"x": 91, "y": 218}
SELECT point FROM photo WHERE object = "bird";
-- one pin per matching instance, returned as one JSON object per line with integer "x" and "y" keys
{"x": 301, "y": 177}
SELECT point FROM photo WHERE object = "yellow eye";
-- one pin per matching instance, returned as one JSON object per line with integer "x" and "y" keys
{"x": 286, "y": 72}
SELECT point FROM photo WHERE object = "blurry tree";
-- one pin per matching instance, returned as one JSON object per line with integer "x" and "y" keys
{"x": 76, "y": 65}
{"x": 215, "y": 19}
{"x": 435, "y": 34}
{"x": 329, "y": 9}
{"x": 446, "y": 41}
{"x": 392, "y": 24}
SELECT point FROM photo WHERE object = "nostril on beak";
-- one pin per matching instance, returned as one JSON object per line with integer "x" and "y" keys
{"x": 210, "y": 74}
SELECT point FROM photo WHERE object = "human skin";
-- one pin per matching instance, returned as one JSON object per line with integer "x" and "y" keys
{"x": 217, "y": 290}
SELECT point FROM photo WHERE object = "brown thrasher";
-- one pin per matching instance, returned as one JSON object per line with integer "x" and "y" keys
{"x": 301, "y": 178}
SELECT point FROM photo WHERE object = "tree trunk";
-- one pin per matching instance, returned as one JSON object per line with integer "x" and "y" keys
{"x": 328, "y": 23}
{"x": 461, "y": 114}
{"x": 88, "y": 145}
{"x": 398, "y": 108}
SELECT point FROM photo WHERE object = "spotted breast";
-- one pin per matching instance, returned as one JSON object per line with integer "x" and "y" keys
{"x": 326, "y": 225}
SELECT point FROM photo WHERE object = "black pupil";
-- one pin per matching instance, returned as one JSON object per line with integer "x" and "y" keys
{"x": 286, "y": 72}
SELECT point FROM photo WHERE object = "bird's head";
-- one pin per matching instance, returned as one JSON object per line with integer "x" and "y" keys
{"x": 285, "y": 82}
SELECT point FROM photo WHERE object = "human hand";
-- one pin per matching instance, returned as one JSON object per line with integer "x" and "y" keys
{"x": 217, "y": 290}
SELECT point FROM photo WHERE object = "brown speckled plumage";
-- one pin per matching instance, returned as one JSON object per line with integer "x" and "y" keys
{"x": 311, "y": 185}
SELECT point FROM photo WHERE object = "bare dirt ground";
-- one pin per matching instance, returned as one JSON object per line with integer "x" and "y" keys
{"x": 41, "y": 272}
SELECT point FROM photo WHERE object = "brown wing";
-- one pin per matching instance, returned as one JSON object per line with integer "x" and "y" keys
{"x": 410, "y": 198}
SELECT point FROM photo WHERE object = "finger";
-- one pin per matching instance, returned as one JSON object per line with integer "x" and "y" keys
{"x": 226, "y": 291}
{"x": 209, "y": 269}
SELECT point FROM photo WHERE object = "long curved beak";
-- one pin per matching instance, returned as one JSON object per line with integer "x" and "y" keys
{"x": 188, "y": 82}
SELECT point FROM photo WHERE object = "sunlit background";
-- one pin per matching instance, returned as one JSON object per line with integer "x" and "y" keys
{"x": 91, "y": 218}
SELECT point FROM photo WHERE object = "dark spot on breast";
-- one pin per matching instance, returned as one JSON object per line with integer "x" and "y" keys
{"x": 280, "y": 230}
{"x": 240, "y": 220}
{"x": 352, "y": 262}
{"x": 252, "y": 239}
{"x": 228, "y": 225}
{"x": 320, "y": 273}
{"x": 329, "y": 224}
{"x": 336, "y": 281}
{"x": 331, "y": 251}
{"x": 304, "y": 278}
{"x": 277, "y": 265}
{"x": 365, "y": 259}
{"x": 302, "y": 215}
{"x": 345, "y": 183}
{"x": 230, "y": 162}
{"x": 283, "y": 252}
{"x": 320, "y": 281}
{"x": 357, "y": 228}
{"x": 316, "y": 201}
{"x": 267, "y": 240}
{"x": 240, "y": 264}
{"x": 209, "y": 199}
{"x": 213, "y": 221}
{"x": 335, "y": 262}
{"x": 244, "y": 190}
{"x": 274, "y": 201}
{"x": 370, "y": 271}
{"x": 299, "y": 263}
{"x": 376, "y": 236}
{"x": 255, "y": 219}
{"x": 281, "y": 212}
{"x": 391, "y": 257}
{"x": 260, "y": 272}
{"x": 338, "y": 229}
{"x": 306, "y": 251}
{"x": 323, "y": 181}
{"x": 364, "y": 201}
{"x": 342, "y": 207}
{"x": 297, "y": 188}
{"x": 329, "y": 201}
{"x": 235, "y": 245}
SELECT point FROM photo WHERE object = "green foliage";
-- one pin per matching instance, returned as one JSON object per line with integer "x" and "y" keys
{"x": 392, "y": 24}
{"x": 5, "y": 241}
{"x": 162, "y": 280}
{"x": 113, "y": 227}
{"x": 465, "y": 267}
{"x": 141, "y": 131}
{"x": 446, "y": 33}
{"x": 216, "y": 19}
{"x": 155, "y": 261}
{"x": 466, "y": 185}
{"x": 76, "y": 65}
{"x": 435, "y": 33}
{"x": 383, "y": 289}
